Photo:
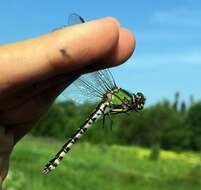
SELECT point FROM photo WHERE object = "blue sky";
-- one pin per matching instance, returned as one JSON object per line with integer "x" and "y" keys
{"x": 168, "y": 53}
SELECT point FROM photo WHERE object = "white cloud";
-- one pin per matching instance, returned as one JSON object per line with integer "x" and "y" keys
{"x": 178, "y": 17}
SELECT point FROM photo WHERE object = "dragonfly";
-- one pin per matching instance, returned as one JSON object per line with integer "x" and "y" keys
{"x": 113, "y": 100}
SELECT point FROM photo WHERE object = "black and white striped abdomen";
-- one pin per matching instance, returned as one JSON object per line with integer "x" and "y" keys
{"x": 102, "y": 108}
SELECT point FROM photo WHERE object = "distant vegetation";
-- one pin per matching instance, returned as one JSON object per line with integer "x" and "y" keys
{"x": 168, "y": 125}
{"x": 98, "y": 167}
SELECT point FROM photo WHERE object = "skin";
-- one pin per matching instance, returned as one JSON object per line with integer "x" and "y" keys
{"x": 34, "y": 72}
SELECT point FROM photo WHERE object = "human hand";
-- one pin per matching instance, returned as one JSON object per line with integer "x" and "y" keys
{"x": 34, "y": 72}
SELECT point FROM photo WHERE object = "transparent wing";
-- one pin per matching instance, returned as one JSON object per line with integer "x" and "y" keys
{"x": 74, "y": 19}
{"x": 95, "y": 83}
{"x": 92, "y": 85}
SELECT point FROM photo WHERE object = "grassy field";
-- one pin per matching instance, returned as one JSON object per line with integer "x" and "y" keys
{"x": 101, "y": 167}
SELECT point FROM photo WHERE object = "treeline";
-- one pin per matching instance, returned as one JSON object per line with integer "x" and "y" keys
{"x": 171, "y": 125}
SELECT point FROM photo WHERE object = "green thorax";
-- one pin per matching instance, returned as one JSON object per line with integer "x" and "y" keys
{"x": 117, "y": 95}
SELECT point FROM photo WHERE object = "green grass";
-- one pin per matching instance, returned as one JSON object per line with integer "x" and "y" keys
{"x": 100, "y": 167}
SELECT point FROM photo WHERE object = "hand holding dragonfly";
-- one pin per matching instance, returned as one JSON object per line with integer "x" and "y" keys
{"x": 34, "y": 72}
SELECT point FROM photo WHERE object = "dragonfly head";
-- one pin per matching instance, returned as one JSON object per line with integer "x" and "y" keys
{"x": 138, "y": 101}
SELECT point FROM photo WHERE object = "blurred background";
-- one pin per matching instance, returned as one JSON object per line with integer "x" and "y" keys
{"x": 158, "y": 148}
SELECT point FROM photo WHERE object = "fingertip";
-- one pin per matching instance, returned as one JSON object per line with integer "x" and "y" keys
{"x": 125, "y": 48}
{"x": 128, "y": 41}
{"x": 131, "y": 37}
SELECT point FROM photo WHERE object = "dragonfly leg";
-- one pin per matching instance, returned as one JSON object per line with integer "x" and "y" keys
{"x": 114, "y": 112}
{"x": 110, "y": 118}
{"x": 103, "y": 124}
{"x": 111, "y": 121}
{"x": 104, "y": 120}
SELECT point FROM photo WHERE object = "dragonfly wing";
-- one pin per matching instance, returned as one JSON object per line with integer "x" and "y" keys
{"x": 91, "y": 86}
{"x": 74, "y": 19}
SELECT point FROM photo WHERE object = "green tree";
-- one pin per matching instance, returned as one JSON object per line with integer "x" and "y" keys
{"x": 176, "y": 101}
{"x": 194, "y": 124}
